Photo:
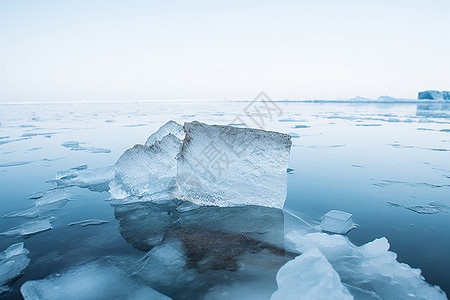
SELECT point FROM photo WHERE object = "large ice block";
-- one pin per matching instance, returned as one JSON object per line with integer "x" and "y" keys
{"x": 309, "y": 276}
{"x": 148, "y": 169}
{"x": 231, "y": 166}
{"x": 12, "y": 262}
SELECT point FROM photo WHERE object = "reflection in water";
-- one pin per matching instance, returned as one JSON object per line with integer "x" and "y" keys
{"x": 434, "y": 110}
{"x": 190, "y": 252}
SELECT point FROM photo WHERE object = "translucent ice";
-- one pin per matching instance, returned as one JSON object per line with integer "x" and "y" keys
{"x": 29, "y": 228}
{"x": 89, "y": 222}
{"x": 171, "y": 127}
{"x": 148, "y": 169}
{"x": 370, "y": 263}
{"x": 12, "y": 262}
{"x": 336, "y": 221}
{"x": 231, "y": 166}
{"x": 95, "y": 280}
{"x": 93, "y": 179}
{"x": 309, "y": 276}
{"x": 51, "y": 197}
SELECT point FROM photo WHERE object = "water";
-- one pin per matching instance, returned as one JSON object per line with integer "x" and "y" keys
{"x": 384, "y": 163}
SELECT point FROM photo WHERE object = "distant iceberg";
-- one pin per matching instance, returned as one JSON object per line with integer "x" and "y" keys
{"x": 434, "y": 95}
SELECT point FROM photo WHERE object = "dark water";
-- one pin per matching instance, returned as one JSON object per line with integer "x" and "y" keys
{"x": 384, "y": 163}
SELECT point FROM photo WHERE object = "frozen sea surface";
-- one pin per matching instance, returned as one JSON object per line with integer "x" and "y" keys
{"x": 385, "y": 163}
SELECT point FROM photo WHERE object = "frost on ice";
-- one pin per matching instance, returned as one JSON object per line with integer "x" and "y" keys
{"x": 231, "y": 166}
{"x": 12, "y": 262}
{"x": 309, "y": 276}
{"x": 336, "y": 221}
{"x": 99, "y": 279}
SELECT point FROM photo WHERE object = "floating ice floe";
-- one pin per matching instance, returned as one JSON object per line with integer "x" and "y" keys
{"x": 45, "y": 202}
{"x": 370, "y": 271}
{"x": 89, "y": 222}
{"x": 95, "y": 280}
{"x": 309, "y": 276}
{"x": 231, "y": 166}
{"x": 29, "y": 228}
{"x": 93, "y": 179}
{"x": 336, "y": 221}
{"x": 12, "y": 262}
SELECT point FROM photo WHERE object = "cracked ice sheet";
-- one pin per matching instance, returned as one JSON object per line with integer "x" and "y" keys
{"x": 230, "y": 166}
{"x": 95, "y": 280}
{"x": 370, "y": 263}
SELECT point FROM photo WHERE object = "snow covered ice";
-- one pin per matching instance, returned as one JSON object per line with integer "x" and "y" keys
{"x": 99, "y": 279}
{"x": 12, "y": 262}
{"x": 336, "y": 221}
{"x": 231, "y": 166}
{"x": 309, "y": 276}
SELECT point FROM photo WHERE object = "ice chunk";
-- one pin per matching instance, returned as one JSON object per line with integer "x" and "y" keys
{"x": 370, "y": 263}
{"x": 95, "y": 280}
{"x": 336, "y": 221}
{"x": 89, "y": 222}
{"x": 12, "y": 262}
{"x": 38, "y": 211}
{"x": 233, "y": 166}
{"x": 309, "y": 276}
{"x": 148, "y": 169}
{"x": 171, "y": 127}
{"x": 29, "y": 228}
{"x": 93, "y": 179}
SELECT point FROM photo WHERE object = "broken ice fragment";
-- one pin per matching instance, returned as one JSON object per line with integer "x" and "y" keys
{"x": 336, "y": 221}
{"x": 171, "y": 127}
{"x": 233, "y": 166}
{"x": 370, "y": 263}
{"x": 309, "y": 276}
{"x": 94, "y": 179}
{"x": 29, "y": 228}
{"x": 37, "y": 211}
{"x": 12, "y": 262}
{"x": 99, "y": 279}
{"x": 148, "y": 169}
{"x": 51, "y": 197}
{"x": 89, "y": 222}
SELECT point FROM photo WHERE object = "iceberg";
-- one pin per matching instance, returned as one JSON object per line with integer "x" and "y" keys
{"x": 370, "y": 271}
{"x": 432, "y": 94}
{"x": 336, "y": 221}
{"x": 151, "y": 168}
{"x": 231, "y": 166}
{"x": 12, "y": 263}
{"x": 309, "y": 276}
{"x": 99, "y": 279}
{"x": 29, "y": 228}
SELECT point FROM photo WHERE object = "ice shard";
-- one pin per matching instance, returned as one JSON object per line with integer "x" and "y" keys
{"x": 309, "y": 276}
{"x": 29, "y": 228}
{"x": 231, "y": 166}
{"x": 12, "y": 262}
{"x": 148, "y": 169}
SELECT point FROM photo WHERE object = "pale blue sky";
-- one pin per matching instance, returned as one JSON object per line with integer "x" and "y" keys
{"x": 132, "y": 50}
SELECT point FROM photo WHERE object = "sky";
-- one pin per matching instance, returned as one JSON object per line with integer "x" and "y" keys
{"x": 155, "y": 50}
